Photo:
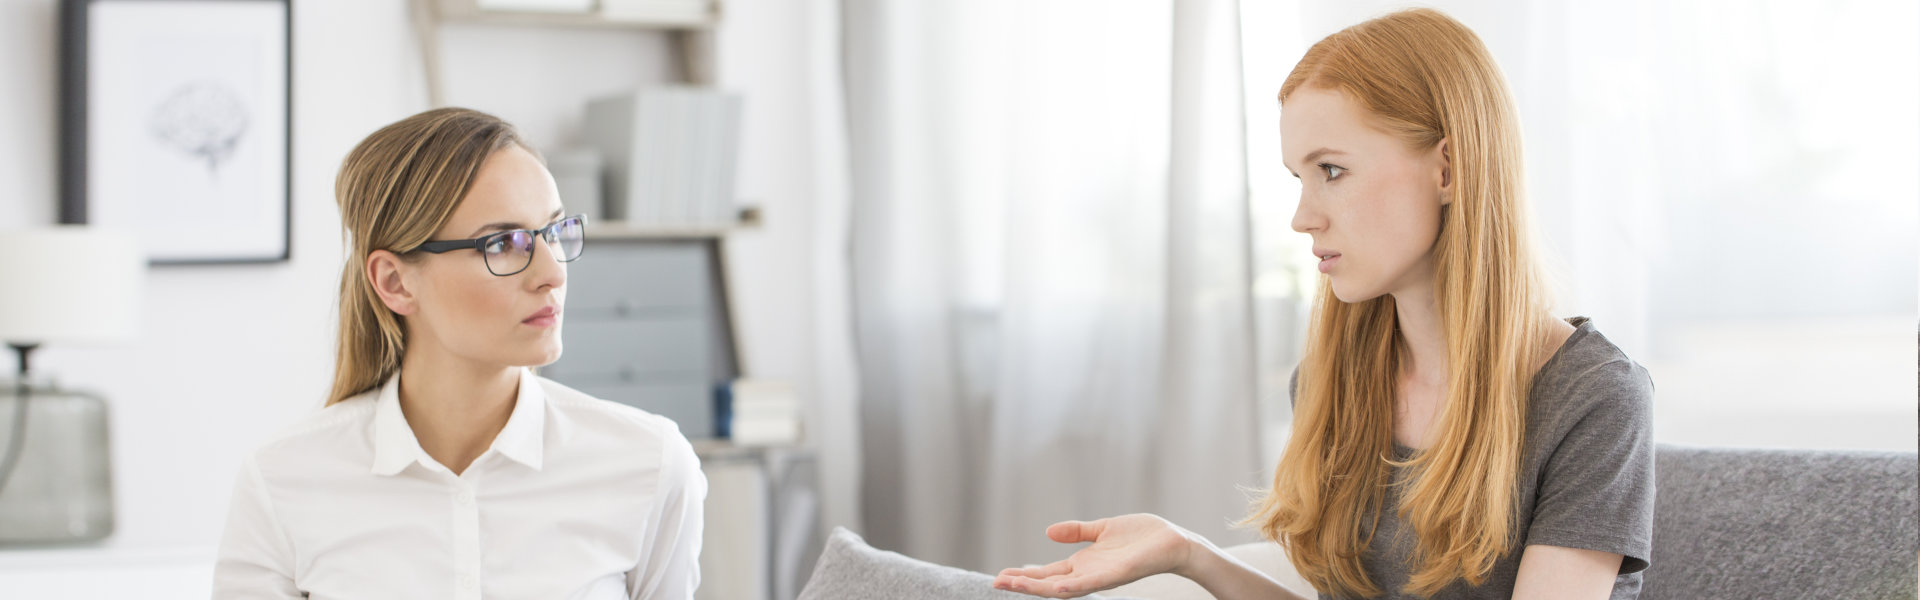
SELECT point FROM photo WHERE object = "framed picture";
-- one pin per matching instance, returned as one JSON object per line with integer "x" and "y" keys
{"x": 176, "y": 125}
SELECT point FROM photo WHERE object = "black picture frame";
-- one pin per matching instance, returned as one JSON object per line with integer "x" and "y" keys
{"x": 176, "y": 125}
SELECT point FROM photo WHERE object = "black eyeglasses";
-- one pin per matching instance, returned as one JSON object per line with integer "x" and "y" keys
{"x": 510, "y": 252}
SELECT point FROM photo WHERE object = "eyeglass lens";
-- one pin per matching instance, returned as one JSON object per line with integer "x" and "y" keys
{"x": 510, "y": 252}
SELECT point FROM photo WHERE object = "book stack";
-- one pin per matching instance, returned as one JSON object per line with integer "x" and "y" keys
{"x": 669, "y": 155}
{"x": 764, "y": 413}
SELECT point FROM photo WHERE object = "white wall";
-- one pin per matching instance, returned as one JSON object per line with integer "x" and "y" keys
{"x": 228, "y": 355}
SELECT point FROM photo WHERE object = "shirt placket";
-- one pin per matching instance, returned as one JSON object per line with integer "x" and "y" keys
{"x": 466, "y": 540}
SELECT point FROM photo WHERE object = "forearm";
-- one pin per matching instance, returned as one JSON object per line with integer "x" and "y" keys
{"x": 1226, "y": 578}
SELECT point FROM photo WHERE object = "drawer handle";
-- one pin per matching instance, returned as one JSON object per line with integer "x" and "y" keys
{"x": 622, "y": 307}
{"x": 626, "y": 374}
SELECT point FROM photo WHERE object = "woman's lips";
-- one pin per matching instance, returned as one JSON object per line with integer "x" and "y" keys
{"x": 547, "y": 317}
{"x": 1326, "y": 264}
{"x": 542, "y": 321}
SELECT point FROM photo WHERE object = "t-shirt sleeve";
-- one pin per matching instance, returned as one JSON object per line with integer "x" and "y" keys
{"x": 1597, "y": 489}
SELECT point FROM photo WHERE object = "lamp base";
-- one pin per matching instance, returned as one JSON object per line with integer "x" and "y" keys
{"x": 61, "y": 488}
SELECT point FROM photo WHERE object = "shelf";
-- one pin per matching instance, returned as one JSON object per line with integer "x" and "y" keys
{"x": 617, "y": 230}
{"x": 650, "y": 14}
{"x": 715, "y": 449}
{"x": 94, "y": 554}
{"x": 690, "y": 24}
{"x": 626, "y": 232}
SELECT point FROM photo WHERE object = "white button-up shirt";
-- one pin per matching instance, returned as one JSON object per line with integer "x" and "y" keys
{"x": 577, "y": 498}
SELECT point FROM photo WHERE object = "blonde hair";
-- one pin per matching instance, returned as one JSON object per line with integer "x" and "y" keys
{"x": 1425, "y": 78}
{"x": 395, "y": 189}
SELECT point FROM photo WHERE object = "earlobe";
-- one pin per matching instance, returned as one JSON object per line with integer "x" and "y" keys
{"x": 385, "y": 271}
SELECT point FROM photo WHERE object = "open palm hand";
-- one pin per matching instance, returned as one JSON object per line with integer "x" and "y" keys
{"x": 1124, "y": 549}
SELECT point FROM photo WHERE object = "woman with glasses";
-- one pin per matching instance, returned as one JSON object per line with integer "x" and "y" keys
{"x": 1451, "y": 438}
{"x": 442, "y": 467}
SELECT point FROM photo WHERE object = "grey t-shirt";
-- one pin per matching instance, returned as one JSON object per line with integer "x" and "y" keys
{"x": 1586, "y": 478}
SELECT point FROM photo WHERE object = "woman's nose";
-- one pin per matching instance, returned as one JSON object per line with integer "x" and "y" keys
{"x": 547, "y": 270}
{"x": 1305, "y": 219}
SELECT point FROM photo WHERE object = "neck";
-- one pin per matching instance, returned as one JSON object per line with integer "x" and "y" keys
{"x": 1422, "y": 341}
{"x": 455, "y": 406}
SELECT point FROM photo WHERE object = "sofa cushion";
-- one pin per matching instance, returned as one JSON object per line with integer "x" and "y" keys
{"x": 849, "y": 569}
{"x": 1784, "y": 523}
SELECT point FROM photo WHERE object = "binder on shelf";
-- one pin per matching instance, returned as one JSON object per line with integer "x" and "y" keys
{"x": 670, "y": 155}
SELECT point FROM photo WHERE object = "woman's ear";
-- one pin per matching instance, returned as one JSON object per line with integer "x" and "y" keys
{"x": 1446, "y": 172}
{"x": 388, "y": 274}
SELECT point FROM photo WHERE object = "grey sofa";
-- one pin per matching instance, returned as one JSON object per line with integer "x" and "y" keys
{"x": 1747, "y": 524}
{"x": 1784, "y": 524}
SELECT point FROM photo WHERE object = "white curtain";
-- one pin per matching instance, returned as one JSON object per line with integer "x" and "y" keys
{"x": 1050, "y": 271}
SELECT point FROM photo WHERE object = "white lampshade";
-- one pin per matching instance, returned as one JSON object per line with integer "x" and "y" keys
{"x": 68, "y": 284}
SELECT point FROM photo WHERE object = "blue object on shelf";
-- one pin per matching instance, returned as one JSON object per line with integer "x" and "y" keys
{"x": 723, "y": 411}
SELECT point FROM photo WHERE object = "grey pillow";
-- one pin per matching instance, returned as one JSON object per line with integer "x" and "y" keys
{"x": 849, "y": 569}
{"x": 1783, "y": 523}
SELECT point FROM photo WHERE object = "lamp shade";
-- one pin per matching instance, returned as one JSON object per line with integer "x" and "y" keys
{"x": 67, "y": 284}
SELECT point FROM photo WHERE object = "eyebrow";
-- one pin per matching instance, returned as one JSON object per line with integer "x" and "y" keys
{"x": 1317, "y": 155}
{"x": 510, "y": 226}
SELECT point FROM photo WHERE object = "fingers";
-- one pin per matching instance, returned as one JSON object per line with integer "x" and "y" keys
{"x": 1034, "y": 580}
{"x": 1074, "y": 587}
{"x": 1040, "y": 572}
{"x": 1073, "y": 532}
{"x": 1058, "y": 587}
{"x": 1034, "y": 587}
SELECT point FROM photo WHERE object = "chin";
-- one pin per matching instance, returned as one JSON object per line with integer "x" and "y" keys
{"x": 548, "y": 357}
{"x": 1348, "y": 295}
{"x": 539, "y": 357}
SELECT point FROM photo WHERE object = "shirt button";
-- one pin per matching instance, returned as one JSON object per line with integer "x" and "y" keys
{"x": 467, "y": 582}
{"x": 463, "y": 498}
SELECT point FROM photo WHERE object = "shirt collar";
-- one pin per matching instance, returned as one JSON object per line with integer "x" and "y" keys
{"x": 521, "y": 440}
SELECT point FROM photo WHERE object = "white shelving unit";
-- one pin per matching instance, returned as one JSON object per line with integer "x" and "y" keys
{"x": 689, "y": 22}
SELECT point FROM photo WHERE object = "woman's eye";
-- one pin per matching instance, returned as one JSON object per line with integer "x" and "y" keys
{"x": 1333, "y": 172}
{"x": 496, "y": 246}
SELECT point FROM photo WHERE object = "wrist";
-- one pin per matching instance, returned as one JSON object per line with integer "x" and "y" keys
{"x": 1196, "y": 557}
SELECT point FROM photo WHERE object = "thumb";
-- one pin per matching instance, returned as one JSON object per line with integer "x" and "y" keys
{"x": 1073, "y": 532}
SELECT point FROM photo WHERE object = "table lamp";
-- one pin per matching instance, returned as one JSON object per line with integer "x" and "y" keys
{"x": 59, "y": 285}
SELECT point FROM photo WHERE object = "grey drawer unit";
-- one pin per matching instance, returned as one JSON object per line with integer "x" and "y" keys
{"x": 614, "y": 279}
{"x": 646, "y": 325}
{"x": 634, "y": 347}
{"x": 687, "y": 402}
